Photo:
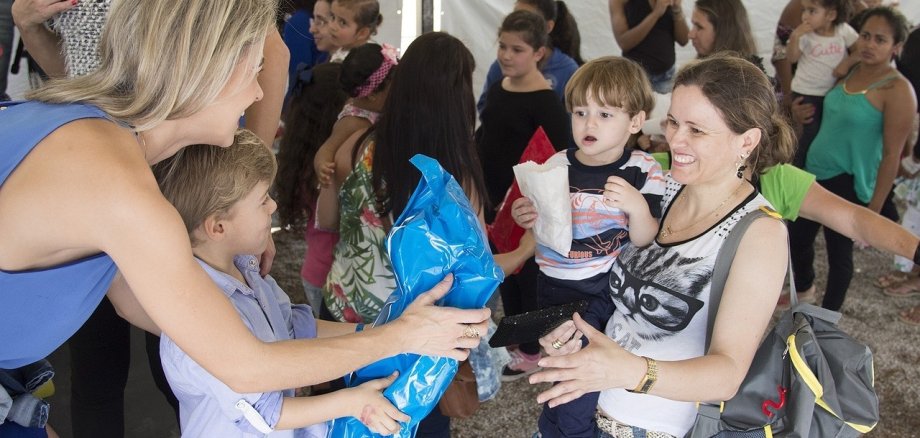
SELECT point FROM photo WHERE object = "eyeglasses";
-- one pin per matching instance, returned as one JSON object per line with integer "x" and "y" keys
{"x": 662, "y": 306}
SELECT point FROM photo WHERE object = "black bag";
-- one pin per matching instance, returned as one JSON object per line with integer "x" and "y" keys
{"x": 807, "y": 379}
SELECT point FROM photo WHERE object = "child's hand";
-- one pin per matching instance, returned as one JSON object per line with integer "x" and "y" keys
{"x": 802, "y": 29}
{"x": 325, "y": 172}
{"x": 620, "y": 194}
{"x": 374, "y": 410}
{"x": 524, "y": 213}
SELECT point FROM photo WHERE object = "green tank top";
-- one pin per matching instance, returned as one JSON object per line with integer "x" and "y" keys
{"x": 850, "y": 139}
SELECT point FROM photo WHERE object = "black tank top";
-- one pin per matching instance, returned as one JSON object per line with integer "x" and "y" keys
{"x": 656, "y": 52}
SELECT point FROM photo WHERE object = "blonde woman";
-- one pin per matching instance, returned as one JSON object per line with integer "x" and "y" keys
{"x": 81, "y": 214}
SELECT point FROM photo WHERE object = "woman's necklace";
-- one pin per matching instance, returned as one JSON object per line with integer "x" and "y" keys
{"x": 666, "y": 230}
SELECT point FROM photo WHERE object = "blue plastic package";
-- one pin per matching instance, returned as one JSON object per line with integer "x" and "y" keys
{"x": 437, "y": 233}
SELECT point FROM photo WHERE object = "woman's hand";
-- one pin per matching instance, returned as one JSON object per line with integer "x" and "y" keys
{"x": 802, "y": 113}
{"x": 428, "y": 329}
{"x": 28, "y": 13}
{"x": 593, "y": 368}
{"x": 563, "y": 340}
{"x": 374, "y": 410}
{"x": 524, "y": 212}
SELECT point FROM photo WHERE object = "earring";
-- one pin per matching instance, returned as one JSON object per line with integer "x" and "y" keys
{"x": 740, "y": 166}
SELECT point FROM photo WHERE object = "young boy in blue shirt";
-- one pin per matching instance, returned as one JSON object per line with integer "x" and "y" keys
{"x": 222, "y": 196}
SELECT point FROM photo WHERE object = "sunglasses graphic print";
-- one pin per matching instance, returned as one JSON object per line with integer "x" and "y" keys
{"x": 660, "y": 305}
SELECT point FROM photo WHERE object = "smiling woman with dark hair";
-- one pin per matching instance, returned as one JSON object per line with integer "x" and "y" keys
{"x": 723, "y": 120}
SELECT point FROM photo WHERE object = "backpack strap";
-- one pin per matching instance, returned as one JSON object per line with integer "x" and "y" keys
{"x": 724, "y": 261}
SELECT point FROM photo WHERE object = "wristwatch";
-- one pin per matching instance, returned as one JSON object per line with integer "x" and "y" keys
{"x": 651, "y": 376}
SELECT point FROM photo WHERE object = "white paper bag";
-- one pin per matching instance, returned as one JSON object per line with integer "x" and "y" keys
{"x": 547, "y": 186}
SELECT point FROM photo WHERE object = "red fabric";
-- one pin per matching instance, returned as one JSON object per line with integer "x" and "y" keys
{"x": 503, "y": 232}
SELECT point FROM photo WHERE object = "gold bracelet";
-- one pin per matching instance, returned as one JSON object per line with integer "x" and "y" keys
{"x": 651, "y": 376}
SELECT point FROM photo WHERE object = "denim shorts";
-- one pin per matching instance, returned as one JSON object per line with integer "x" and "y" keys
{"x": 662, "y": 83}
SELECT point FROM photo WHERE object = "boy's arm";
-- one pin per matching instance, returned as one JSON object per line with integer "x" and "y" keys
{"x": 364, "y": 402}
{"x": 643, "y": 225}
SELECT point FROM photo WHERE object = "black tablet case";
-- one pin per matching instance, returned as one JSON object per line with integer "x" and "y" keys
{"x": 531, "y": 326}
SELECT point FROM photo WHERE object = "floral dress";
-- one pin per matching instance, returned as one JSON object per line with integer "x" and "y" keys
{"x": 361, "y": 277}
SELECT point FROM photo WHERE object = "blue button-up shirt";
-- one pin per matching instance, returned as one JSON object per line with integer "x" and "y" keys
{"x": 208, "y": 407}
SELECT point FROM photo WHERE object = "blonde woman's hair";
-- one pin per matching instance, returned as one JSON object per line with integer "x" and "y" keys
{"x": 612, "y": 81}
{"x": 166, "y": 59}
{"x": 203, "y": 180}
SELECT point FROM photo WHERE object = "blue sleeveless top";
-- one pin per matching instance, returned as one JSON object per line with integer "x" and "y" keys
{"x": 42, "y": 308}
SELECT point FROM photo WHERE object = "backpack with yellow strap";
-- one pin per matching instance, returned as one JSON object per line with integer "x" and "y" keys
{"x": 808, "y": 378}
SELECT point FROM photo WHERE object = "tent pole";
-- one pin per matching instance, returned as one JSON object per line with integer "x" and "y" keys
{"x": 427, "y": 16}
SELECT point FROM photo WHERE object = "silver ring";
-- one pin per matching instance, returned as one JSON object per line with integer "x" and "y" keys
{"x": 557, "y": 344}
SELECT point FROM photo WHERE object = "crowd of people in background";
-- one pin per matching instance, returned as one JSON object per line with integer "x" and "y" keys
{"x": 170, "y": 200}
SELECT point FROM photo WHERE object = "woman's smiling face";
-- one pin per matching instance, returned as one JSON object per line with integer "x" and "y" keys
{"x": 703, "y": 148}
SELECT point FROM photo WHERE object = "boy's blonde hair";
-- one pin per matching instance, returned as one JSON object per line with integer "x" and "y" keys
{"x": 166, "y": 59}
{"x": 611, "y": 81}
{"x": 202, "y": 180}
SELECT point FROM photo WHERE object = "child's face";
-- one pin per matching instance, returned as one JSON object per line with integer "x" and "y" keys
{"x": 702, "y": 33}
{"x": 601, "y": 131}
{"x": 319, "y": 26}
{"x": 343, "y": 29}
{"x": 515, "y": 57}
{"x": 248, "y": 223}
{"x": 817, "y": 16}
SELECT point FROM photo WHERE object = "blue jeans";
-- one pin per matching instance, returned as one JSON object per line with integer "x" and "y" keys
{"x": 638, "y": 432}
{"x": 662, "y": 83}
{"x": 19, "y": 405}
{"x": 575, "y": 418}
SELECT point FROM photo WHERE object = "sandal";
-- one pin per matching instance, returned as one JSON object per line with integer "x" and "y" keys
{"x": 907, "y": 288}
{"x": 891, "y": 279}
{"x": 910, "y": 316}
